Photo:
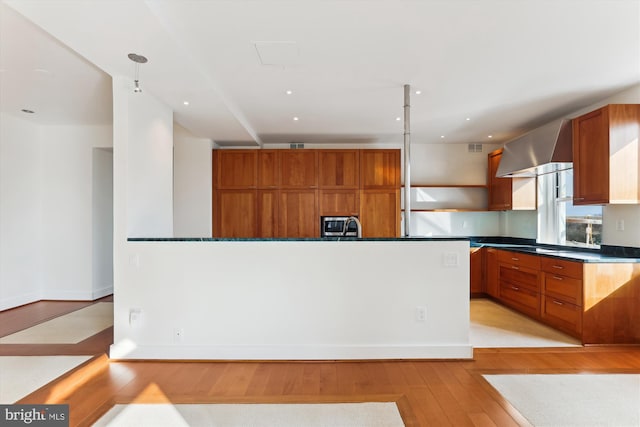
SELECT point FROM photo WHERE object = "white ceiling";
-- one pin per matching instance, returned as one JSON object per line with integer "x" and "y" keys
{"x": 507, "y": 65}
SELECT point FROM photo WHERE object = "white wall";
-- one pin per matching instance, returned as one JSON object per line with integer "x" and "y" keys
{"x": 150, "y": 167}
{"x": 20, "y": 212}
{"x": 280, "y": 305}
{"x": 192, "y": 182}
{"x": 67, "y": 221}
{"x": 102, "y": 218}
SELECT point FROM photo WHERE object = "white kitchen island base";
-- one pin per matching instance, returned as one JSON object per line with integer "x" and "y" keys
{"x": 292, "y": 299}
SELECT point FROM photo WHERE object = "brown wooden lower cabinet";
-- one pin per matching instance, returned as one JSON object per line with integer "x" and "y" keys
{"x": 492, "y": 285}
{"x": 235, "y": 213}
{"x": 380, "y": 213}
{"x": 598, "y": 303}
{"x": 298, "y": 213}
{"x": 477, "y": 271}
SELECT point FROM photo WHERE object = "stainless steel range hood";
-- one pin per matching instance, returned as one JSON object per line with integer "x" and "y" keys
{"x": 544, "y": 150}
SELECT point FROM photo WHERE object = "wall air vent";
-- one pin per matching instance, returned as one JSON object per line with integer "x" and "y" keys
{"x": 475, "y": 148}
{"x": 296, "y": 145}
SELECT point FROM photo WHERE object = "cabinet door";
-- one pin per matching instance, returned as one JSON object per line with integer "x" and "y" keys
{"x": 235, "y": 169}
{"x": 268, "y": 213}
{"x": 499, "y": 188}
{"x": 298, "y": 213}
{"x": 235, "y": 213}
{"x": 492, "y": 284}
{"x": 298, "y": 168}
{"x": 379, "y": 169}
{"x": 591, "y": 158}
{"x": 268, "y": 167}
{"x": 380, "y": 213}
{"x": 476, "y": 262}
{"x": 339, "y": 202}
{"x": 338, "y": 169}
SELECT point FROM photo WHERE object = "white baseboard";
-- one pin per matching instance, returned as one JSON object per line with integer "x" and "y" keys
{"x": 18, "y": 300}
{"x": 128, "y": 350}
{"x": 102, "y": 292}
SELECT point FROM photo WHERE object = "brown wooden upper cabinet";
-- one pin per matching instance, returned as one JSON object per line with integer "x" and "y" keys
{"x": 339, "y": 169}
{"x": 605, "y": 155}
{"x": 268, "y": 168}
{"x": 380, "y": 168}
{"x": 235, "y": 213}
{"x": 509, "y": 193}
{"x": 235, "y": 169}
{"x": 298, "y": 168}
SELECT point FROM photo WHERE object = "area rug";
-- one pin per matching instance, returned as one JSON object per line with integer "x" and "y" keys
{"x": 583, "y": 400}
{"x": 22, "y": 375}
{"x": 70, "y": 328}
{"x": 492, "y": 325}
{"x": 231, "y": 415}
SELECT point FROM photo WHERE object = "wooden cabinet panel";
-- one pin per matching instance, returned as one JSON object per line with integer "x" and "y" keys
{"x": 606, "y": 150}
{"x": 520, "y": 298}
{"x": 492, "y": 282}
{"x": 338, "y": 169}
{"x": 564, "y": 288}
{"x": 298, "y": 213}
{"x": 379, "y": 169}
{"x": 562, "y": 315}
{"x": 235, "y": 213}
{"x": 520, "y": 276}
{"x": 339, "y": 202}
{"x": 477, "y": 271}
{"x": 561, "y": 267}
{"x": 380, "y": 213}
{"x": 519, "y": 259}
{"x": 268, "y": 168}
{"x": 235, "y": 169}
{"x": 267, "y": 216}
{"x": 509, "y": 193}
{"x": 298, "y": 169}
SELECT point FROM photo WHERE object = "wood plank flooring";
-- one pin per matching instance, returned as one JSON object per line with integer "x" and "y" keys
{"x": 428, "y": 393}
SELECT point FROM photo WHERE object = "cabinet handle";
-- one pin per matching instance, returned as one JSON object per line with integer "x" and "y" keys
{"x": 558, "y": 267}
{"x": 557, "y": 302}
{"x": 578, "y": 198}
{"x": 515, "y": 267}
{"x": 515, "y": 288}
{"x": 558, "y": 278}
{"x": 515, "y": 259}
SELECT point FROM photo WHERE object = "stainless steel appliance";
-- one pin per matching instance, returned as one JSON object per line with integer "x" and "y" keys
{"x": 331, "y": 226}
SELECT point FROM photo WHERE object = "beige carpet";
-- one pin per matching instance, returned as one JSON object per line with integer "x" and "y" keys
{"x": 585, "y": 400}
{"x": 230, "y": 415}
{"x": 68, "y": 329}
{"x": 493, "y": 325}
{"x": 22, "y": 375}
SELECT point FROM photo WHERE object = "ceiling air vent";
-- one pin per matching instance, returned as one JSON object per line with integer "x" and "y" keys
{"x": 475, "y": 148}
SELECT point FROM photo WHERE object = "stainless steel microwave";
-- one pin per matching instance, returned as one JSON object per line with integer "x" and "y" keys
{"x": 334, "y": 226}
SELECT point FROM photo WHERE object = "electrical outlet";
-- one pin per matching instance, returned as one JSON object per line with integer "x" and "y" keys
{"x": 450, "y": 259}
{"x": 421, "y": 314}
{"x": 620, "y": 225}
{"x": 134, "y": 315}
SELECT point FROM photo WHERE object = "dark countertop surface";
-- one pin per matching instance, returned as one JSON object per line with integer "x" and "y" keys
{"x": 606, "y": 254}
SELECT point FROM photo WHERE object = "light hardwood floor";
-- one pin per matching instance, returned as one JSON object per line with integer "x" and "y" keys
{"x": 428, "y": 393}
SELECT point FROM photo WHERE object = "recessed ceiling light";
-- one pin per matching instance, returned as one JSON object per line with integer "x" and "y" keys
{"x": 441, "y": 136}
{"x": 418, "y": 92}
{"x": 289, "y": 92}
{"x": 397, "y": 119}
{"x": 295, "y": 119}
{"x": 24, "y": 110}
{"x": 186, "y": 102}
{"x": 490, "y": 136}
{"x": 468, "y": 118}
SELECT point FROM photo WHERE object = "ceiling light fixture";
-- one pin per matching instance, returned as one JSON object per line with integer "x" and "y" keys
{"x": 418, "y": 92}
{"x": 468, "y": 118}
{"x": 397, "y": 119}
{"x": 289, "y": 92}
{"x": 138, "y": 59}
{"x": 441, "y": 136}
{"x": 295, "y": 119}
{"x": 490, "y": 136}
{"x": 186, "y": 102}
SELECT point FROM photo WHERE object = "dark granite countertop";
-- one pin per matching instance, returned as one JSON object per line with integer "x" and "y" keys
{"x": 292, "y": 239}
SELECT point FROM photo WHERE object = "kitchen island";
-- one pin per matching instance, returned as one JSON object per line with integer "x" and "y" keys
{"x": 282, "y": 299}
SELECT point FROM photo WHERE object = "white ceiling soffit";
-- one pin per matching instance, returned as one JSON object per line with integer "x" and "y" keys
{"x": 508, "y": 66}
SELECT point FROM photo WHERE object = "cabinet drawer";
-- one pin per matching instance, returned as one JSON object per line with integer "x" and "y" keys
{"x": 564, "y": 288}
{"x": 562, "y": 267}
{"x": 519, "y": 276}
{"x": 518, "y": 259}
{"x": 563, "y": 315}
{"x": 521, "y": 298}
